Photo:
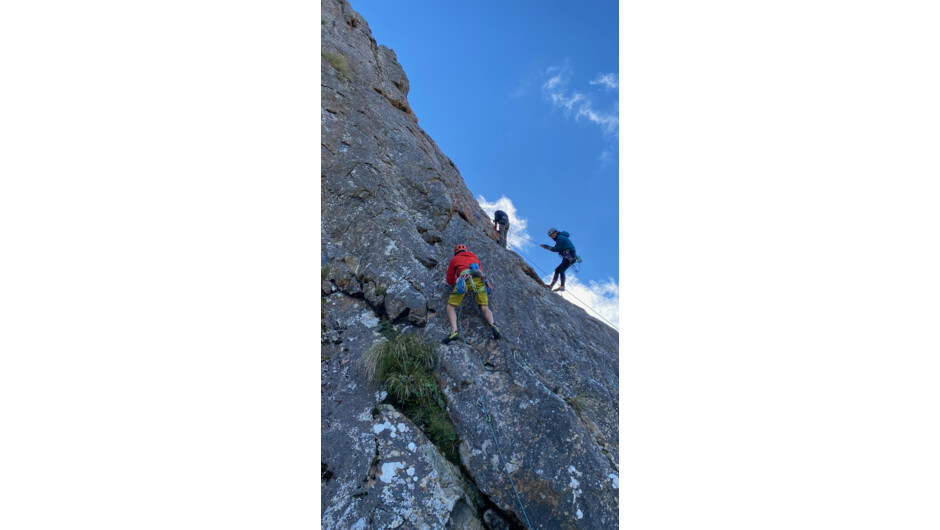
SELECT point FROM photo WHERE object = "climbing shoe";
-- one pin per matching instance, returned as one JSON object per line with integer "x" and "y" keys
{"x": 450, "y": 338}
{"x": 495, "y": 331}
{"x": 560, "y": 289}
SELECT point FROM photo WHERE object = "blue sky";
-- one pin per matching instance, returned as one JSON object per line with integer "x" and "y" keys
{"x": 523, "y": 97}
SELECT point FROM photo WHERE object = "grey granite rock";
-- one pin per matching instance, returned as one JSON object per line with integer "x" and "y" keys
{"x": 393, "y": 207}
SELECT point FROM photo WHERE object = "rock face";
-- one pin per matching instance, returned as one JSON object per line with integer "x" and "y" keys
{"x": 393, "y": 207}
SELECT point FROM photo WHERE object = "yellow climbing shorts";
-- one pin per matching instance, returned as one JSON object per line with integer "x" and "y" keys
{"x": 455, "y": 298}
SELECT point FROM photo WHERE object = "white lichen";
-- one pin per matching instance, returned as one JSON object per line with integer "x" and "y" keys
{"x": 367, "y": 318}
{"x": 389, "y": 469}
{"x": 379, "y": 427}
{"x": 579, "y": 514}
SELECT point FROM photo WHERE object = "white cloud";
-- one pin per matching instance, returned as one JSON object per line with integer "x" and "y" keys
{"x": 555, "y": 88}
{"x": 595, "y": 298}
{"x": 556, "y": 79}
{"x": 517, "y": 237}
{"x": 611, "y": 81}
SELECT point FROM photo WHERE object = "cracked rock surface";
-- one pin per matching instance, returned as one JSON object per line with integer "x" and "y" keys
{"x": 393, "y": 207}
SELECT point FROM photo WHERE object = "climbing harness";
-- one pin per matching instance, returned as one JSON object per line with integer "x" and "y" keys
{"x": 489, "y": 422}
{"x": 467, "y": 276}
{"x": 576, "y": 268}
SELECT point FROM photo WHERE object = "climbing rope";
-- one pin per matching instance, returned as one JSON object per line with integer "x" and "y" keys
{"x": 528, "y": 259}
{"x": 486, "y": 416}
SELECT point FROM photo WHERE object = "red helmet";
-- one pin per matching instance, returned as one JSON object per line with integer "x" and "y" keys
{"x": 459, "y": 248}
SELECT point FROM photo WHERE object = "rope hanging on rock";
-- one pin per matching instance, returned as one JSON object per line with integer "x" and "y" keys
{"x": 528, "y": 259}
{"x": 489, "y": 422}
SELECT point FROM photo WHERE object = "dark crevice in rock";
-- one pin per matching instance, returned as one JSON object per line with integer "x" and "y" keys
{"x": 429, "y": 263}
{"x": 397, "y": 103}
{"x": 485, "y": 503}
{"x": 512, "y": 521}
{"x": 402, "y": 318}
{"x": 378, "y": 311}
{"x": 417, "y": 286}
{"x": 530, "y": 272}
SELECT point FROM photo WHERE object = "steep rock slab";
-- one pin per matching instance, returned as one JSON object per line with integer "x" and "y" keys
{"x": 378, "y": 470}
{"x": 393, "y": 207}
{"x": 562, "y": 479}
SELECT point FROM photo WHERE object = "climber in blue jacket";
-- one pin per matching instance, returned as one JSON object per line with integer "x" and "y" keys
{"x": 564, "y": 247}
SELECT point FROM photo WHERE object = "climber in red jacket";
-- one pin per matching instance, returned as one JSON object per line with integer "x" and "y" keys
{"x": 465, "y": 267}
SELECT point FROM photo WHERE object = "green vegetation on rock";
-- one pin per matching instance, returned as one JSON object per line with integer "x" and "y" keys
{"x": 404, "y": 365}
{"x": 339, "y": 62}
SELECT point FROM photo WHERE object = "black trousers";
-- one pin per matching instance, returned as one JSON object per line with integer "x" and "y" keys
{"x": 560, "y": 271}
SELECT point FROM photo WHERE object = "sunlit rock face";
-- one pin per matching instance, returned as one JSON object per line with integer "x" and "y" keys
{"x": 393, "y": 207}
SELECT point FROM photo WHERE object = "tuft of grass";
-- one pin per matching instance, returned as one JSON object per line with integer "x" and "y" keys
{"x": 380, "y": 290}
{"x": 582, "y": 403}
{"x": 386, "y": 329}
{"x": 324, "y": 272}
{"x": 404, "y": 365}
{"x": 339, "y": 62}
{"x": 369, "y": 361}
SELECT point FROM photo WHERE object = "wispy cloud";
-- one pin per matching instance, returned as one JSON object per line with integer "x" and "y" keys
{"x": 610, "y": 81}
{"x": 517, "y": 238}
{"x": 577, "y": 104}
{"x": 595, "y": 298}
{"x": 607, "y": 157}
{"x": 522, "y": 88}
